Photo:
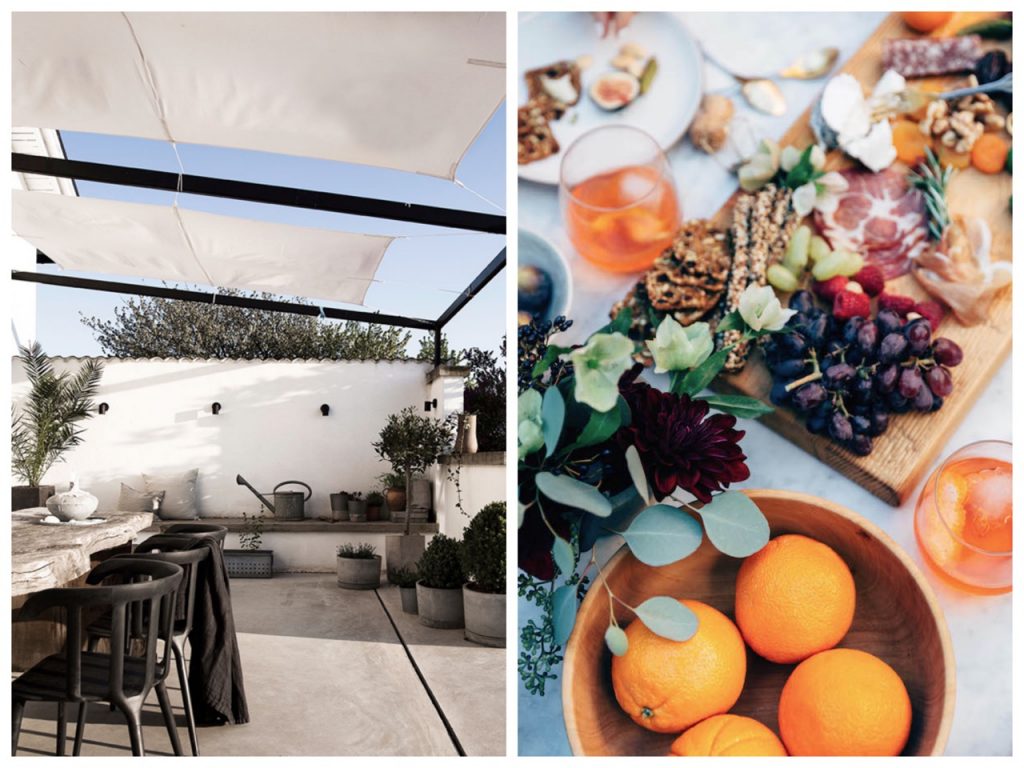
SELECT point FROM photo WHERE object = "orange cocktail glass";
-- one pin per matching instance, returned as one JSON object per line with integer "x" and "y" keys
{"x": 618, "y": 198}
{"x": 964, "y": 518}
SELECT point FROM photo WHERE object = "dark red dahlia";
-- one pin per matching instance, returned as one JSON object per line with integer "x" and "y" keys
{"x": 680, "y": 445}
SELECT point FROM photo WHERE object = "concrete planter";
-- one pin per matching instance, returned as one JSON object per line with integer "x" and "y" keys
{"x": 409, "y": 602}
{"x": 357, "y": 510}
{"x": 359, "y": 572}
{"x": 339, "y": 506}
{"x": 403, "y": 551}
{"x": 440, "y": 608}
{"x": 29, "y": 496}
{"x": 485, "y": 616}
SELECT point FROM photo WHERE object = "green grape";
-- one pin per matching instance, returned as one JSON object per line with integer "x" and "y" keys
{"x": 818, "y": 249}
{"x": 795, "y": 259}
{"x": 851, "y": 263}
{"x": 781, "y": 278}
{"x": 829, "y": 266}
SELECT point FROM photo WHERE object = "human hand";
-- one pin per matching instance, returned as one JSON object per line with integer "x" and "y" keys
{"x": 612, "y": 22}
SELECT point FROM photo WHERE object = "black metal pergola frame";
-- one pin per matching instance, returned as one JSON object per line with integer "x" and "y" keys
{"x": 275, "y": 195}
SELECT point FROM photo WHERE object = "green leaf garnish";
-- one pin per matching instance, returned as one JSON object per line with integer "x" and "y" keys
{"x": 667, "y": 617}
{"x": 552, "y": 353}
{"x": 662, "y": 534}
{"x": 573, "y": 493}
{"x": 552, "y": 417}
{"x": 637, "y": 473}
{"x": 700, "y": 377}
{"x": 740, "y": 406}
{"x": 601, "y": 426}
{"x": 734, "y": 524}
{"x": 616, "y": 640}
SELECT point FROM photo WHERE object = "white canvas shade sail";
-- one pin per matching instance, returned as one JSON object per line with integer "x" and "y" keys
{"x": 176, "y": 244}
{"x": 408, "y": 91}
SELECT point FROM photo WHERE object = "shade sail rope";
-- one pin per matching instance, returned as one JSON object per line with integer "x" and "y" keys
{"x": 487, "y": 200}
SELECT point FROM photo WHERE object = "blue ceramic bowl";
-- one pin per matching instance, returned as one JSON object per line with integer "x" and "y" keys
{"x": 535, "y": 251}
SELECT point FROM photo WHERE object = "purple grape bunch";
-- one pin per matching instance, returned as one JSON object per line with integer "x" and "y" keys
{"x": 848, "y": 378}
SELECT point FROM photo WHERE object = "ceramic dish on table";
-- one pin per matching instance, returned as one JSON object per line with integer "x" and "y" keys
{"x": 538, "y": 252}
{"x": 664, "y": 111}
{"x": 897, "y": 618}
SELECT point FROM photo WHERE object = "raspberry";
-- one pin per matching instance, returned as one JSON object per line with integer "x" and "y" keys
{"x": 851, "y": 303}
{"x": 871, "y": 280}
{"x": 932, "y": 311}
{"x": 898, "y": 304}
{"x": 829, "y": 289}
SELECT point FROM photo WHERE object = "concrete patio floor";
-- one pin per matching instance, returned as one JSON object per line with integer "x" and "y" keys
{"x": 326, "y": 674}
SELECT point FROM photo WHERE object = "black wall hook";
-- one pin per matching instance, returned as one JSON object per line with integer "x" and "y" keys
{"x": 103, "y": 408}
{"x": 325, "y": 409}
{"x": 215, "y": 408}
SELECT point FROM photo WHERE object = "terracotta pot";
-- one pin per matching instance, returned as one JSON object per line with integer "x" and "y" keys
{"x": 395, "y": 499}
{"x": 373, "y": 512}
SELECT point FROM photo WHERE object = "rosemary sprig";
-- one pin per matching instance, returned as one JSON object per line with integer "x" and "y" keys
{"x": 933, "y": 180}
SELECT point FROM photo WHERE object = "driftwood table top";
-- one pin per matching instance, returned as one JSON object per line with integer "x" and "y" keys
{"x": 44, "y": 556}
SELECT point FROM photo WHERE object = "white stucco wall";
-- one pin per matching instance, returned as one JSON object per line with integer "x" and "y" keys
{"x": 480, "y": 483}
{"x": 22, "y": 295}
{"x": 270, "y": 427}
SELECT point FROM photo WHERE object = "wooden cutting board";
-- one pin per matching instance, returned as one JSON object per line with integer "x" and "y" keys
{"x": 913, "y": 441}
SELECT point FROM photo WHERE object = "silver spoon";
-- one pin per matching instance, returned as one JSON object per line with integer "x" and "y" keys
{"x": 764, "y": 94}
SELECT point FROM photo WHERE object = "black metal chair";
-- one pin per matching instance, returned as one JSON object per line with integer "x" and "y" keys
{"x": 181, "y": 551}
{"x": 141, "y": 615}
{"x": 205, "y": 530}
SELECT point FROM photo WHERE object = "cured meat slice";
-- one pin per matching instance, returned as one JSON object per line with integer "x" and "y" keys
{"x": 881, "y": 217}
{"x": 921, "y": 56}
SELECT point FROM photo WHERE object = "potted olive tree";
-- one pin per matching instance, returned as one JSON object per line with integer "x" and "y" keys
{"x": 406, "y": 579}
{"x": 410, "y": 443}
{"x": 439, "y": 589}
{"x": 46, "y": 426}
{"x": 483, "y": 560}
{"x": 358, "y": 566}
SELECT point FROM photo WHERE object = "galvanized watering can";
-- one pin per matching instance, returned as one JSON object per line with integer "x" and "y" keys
{"x": 288, "y": 505}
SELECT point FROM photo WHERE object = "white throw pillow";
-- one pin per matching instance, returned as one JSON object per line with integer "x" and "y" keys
{"x": 133, "y": 500}
{"x": 179, "y": 494}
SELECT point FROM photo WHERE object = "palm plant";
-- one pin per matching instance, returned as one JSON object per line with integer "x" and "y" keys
{"x": 48, "y": 423}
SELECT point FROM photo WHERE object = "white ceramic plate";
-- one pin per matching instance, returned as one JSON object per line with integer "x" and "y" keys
{"x": 665, "y": 111}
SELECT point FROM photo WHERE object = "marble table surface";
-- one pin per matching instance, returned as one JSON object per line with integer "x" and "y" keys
{"x": 44, "y": 556}
{"x": 980, "y": 626}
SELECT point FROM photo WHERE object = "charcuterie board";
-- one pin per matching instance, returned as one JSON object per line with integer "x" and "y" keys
{"x": 913, "y": 441}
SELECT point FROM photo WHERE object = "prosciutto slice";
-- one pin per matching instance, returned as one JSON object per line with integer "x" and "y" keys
{"x": 881, "y": 217}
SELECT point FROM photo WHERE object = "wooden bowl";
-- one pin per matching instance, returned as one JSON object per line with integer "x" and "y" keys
{"x": 897, "y": 618}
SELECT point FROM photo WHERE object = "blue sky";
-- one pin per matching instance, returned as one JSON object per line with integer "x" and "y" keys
{"x": 421, "y": 274}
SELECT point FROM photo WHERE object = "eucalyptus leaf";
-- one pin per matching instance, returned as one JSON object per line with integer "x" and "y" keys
{"x": 740, "y": 406}
{"x": 564, "y": 557}
{"x": 616, "y": 640}
{"x": 522, "y": 513}
{"x": 601, "y": 426}
{"x": 573, "y": 493}
{"x": 637, "y": 473}
{"x": 552, "y": 412}
{"x": 734, "y": 524}
{"x": 698, "y": 378}
{"x": 667, "y": 617}
{"x": 662, "y": 534}
{"x": 563, "y": 612}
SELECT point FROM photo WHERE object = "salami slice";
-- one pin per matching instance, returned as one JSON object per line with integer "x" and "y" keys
{"x": 880, "y": 217}
{"x": 925, "y": 56}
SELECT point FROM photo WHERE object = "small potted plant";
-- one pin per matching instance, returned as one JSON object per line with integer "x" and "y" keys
{"x": 394, "y": 492}
{"x": 357, "y": 507}
{"x": 374, "y": 501}
{"x": 46, "y": 426}
{"x": 250, "y": 562}
{"x": 358, "y": 566}
{"x": 439, "y": 589}
{"x": 406, "y": 579}
{"x": 483, "y": 560}
{"x": 339, "y": 506}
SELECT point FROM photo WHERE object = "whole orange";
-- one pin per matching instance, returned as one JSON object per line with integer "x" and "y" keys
{"x": 728, "y": 736}
{"x": 667, "y": 686}
{"x": 844, "y": 702}
{"x": 794, "y": 597}
{"x": 925, "y": 21}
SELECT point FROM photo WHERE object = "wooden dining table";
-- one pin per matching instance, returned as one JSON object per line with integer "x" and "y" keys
{"x": 45, "y": 556}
